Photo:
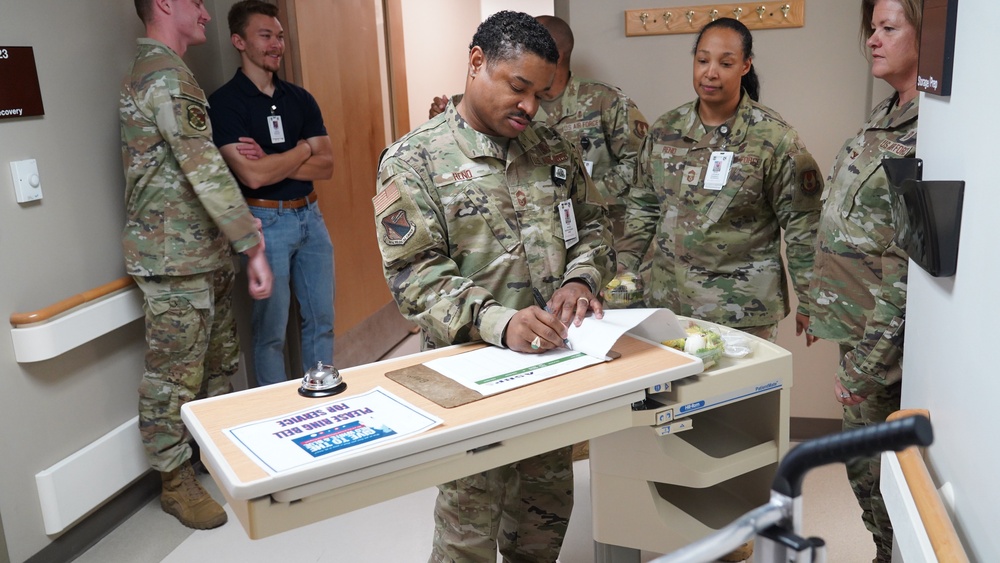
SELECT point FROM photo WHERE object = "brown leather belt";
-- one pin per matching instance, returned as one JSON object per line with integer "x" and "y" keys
{"x": 282, "y": 203}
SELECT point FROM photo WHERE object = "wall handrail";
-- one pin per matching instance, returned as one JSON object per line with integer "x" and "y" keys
{"x": 58, "y": 328}
{"x": 938, "y": 525}
{"x": 46, "y": 313}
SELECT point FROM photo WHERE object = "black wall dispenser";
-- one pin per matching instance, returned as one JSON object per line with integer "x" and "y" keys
{"x": 928, "y": 215}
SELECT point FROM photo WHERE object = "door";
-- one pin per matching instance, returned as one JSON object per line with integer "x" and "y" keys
{"x": 333, "y": 50}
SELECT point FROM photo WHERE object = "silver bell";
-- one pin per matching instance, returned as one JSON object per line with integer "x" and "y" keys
{"x": 322, "y": 381}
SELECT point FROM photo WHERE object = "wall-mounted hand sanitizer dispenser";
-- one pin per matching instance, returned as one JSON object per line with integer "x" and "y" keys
{"x": 928, "y": 215}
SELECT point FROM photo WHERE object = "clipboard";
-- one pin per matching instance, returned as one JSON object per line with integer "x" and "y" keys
{"x": 593, "y": 338}
{"x": 442, "y": 390}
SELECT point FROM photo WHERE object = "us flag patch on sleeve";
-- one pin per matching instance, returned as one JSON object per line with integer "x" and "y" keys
{"x": 385, "y": 198}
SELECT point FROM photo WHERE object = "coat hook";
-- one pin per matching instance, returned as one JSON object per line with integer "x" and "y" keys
{"x": 666, "y": 18}
{"x": 690, "y": 17}
{"x": 760, "y": 12}
{"x": 714, "y": 14}
{"x": 738, "y": 12}
{"x": 785, "y": 9}
{"x": 643, "y": 17}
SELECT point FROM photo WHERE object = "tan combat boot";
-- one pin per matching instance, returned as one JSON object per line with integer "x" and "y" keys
{"x": 184, "y": 497}
{"x": 741, "y": 553}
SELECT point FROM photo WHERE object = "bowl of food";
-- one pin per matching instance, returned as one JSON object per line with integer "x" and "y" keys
{"x": 623, "y": 292}
{"x": 704, "y": 343}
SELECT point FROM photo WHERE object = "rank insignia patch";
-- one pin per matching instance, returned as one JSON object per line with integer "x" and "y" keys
{"x": 196, "y": 117}
{"x": 521, "y": 197}
{"x": 398, "y": 228}
{"x": 691, "y": 175}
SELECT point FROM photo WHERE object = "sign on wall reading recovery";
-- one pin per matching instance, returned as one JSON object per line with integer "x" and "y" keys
{"x": 20, "y": 95}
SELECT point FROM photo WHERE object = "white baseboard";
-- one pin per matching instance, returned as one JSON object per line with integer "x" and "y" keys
{"x": 72, "y": 488}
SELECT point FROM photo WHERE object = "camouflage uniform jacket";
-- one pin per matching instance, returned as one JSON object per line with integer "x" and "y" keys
{"x": 605, "y": 125}
{"x": 718, "y": 252}
{"x": 859, "y": 288}
{"x": 183, "y": 207}
{"x": 467, "y": 227}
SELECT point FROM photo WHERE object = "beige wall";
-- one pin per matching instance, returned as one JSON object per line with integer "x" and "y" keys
{"x": 815, "y": 76}
{"x": 63, "y": 245}
{"x": 436, "y": 36}
{"x": 533, "y": 7}
{"x": 69, "y": 241}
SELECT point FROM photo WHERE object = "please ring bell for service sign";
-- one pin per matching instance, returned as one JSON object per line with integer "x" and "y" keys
{"x": 322, "y": 381}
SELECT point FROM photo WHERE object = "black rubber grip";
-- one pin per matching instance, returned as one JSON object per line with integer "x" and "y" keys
{"x": 862, "y": 442}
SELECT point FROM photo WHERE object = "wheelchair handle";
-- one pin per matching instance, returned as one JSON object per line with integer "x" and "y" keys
{"x": 895, "y": 436}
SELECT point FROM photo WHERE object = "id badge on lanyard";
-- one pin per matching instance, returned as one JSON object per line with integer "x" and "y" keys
{"x": 568, "y": 220}
{"x": 718, "y": 170}
{"x": 275, "y": 127}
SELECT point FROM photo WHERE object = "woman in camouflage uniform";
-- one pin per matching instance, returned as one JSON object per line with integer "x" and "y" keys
{"x": 718, "y": 179}
{"x": 859, "y": 289}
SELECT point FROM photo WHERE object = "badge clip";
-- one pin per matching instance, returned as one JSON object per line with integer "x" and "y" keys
{"x": 559, "y": 175}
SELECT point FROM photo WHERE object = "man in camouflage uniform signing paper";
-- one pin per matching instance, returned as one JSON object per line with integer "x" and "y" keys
{"x": 185, "y": 216}
{"x": 475, "y": 208}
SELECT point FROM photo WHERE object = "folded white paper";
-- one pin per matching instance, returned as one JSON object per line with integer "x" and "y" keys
{"x": 493, "y": 370}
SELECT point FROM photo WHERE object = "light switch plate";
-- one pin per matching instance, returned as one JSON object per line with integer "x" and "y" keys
{"x": 27, "y": 184}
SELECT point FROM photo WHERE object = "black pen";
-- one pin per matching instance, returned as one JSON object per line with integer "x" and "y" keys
{"x": 540, "y": 301}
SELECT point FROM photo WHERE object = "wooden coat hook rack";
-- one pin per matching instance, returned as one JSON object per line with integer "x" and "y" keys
{"x": 690, "y": 19}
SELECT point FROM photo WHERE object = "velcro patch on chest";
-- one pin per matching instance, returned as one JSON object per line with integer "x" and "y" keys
{"x": 898, "y": 149}
{"x": 691, "y": 175}
{"x": 462, "y": 175}
{"x": 586, "y": 124}
{"x": 549, "y": 159}
{"x": 668, "y": 151}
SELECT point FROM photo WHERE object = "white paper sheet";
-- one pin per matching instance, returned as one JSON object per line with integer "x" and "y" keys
{"x": 595, "y": 337}
{"x": 341, "y": 427}
{"x": 493, "y": 370}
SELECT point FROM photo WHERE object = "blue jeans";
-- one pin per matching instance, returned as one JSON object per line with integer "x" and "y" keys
{"x": 300, "y": 253}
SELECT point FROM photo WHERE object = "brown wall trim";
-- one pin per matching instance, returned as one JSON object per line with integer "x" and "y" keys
{"x": 396, "y": 59}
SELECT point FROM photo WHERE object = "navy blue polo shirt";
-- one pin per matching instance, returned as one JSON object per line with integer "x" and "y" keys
{"x": 239, "y": 109}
